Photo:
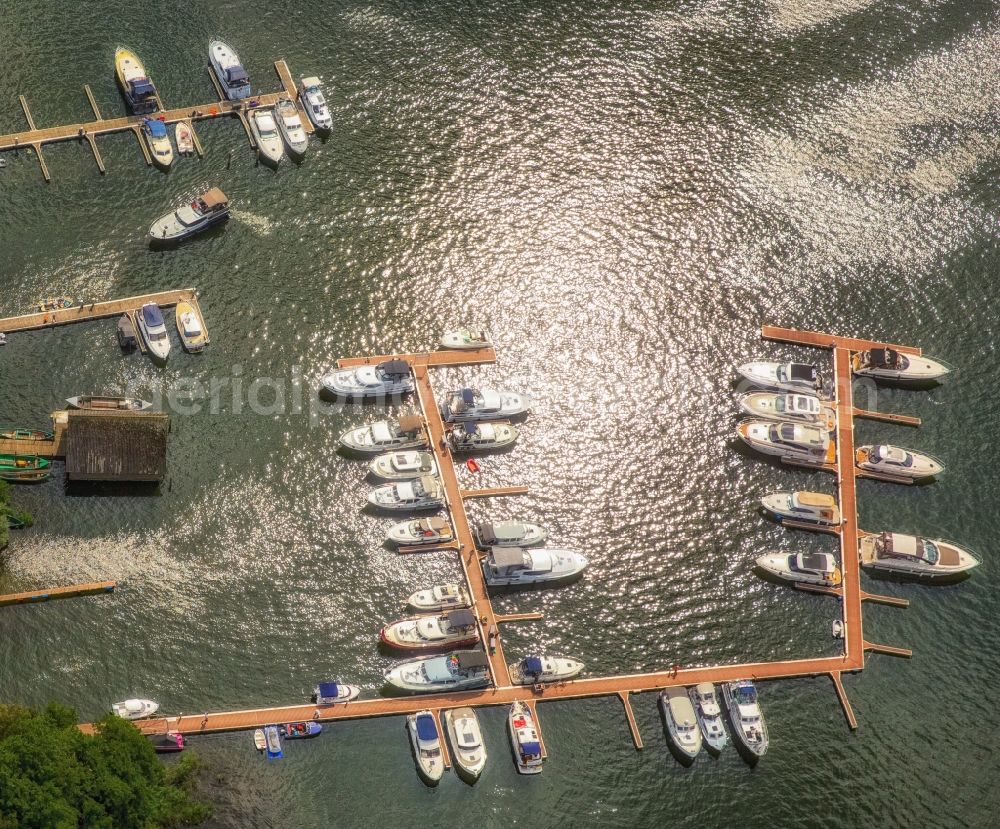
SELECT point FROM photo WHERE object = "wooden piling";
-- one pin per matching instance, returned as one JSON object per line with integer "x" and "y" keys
{"x": 93, "y": 102}
{"x": 97, "y": 153}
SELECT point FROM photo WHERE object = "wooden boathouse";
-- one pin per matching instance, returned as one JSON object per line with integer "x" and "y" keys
{"x": 116, "y": 446}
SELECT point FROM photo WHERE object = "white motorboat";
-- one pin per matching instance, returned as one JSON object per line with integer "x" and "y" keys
{"x": 483, "y": 404}
{"x": 135, "y": 709}
{"x": 889, "y": 364}
{"x": 408, "y": 433}
{"x": 535, "y": 669}
{"x": 811, "y": 507}
{"x": 512, "y": 566}
{"x": 707, "y": 708}
{"x": 481, "y": 437}
{"x": 206, "y": 210}
{"x": 184, "y": 138}
{"x": 421, "y": 531}
{"x": 682, "y": 722}
{"x": 266, "y": 135}
{"x": 440, "y": 597}
{"x": 313, "y": 102}
{"x": 232, "y": 76}
{"x": 423, "y": 493}
{"x": 508, "y": 534}
{"x": 330, "y": 693}
{"x": 136, "y": 85}
{"x": 153, "y": 331}
{"x": 188, "y": 322}
{"x": 912, "y": 555}
{"x": 772, "y": 405}
{"x": 425, "y": 735}
{"x": 466, "y": 738}
{"x": 466, "y": 339}
{"x": 789, "y": 441}
{"x": 443, "y": 631}
{"x": 745, "y": 716}
{"x": 805, "y": 568}
{"x": 259, "y": 740}
{"x": 291, "y": 128}
{"x": 524, "y": 739}
{"x": 458, "y": 671}
{"x": 903, "y": 463}
{"x": 158, "y": 140}
{"x": 403, "y": 466}
{"x": 795, "y": 377}
{"x": 387, "y": 379}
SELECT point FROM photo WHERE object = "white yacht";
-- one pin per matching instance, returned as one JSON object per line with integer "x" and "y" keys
{"x": 330, "y": 693}
{"x": 508, "y": 534}
{"x": 534, "y": 669}
{"x": 912, "y": 555}
{"x": 423, "y": 493}
{"x": 811, "y": 507}
{"x": 795, "y": 377}
{"x": 443, "y": 631}
{"x": 483, "y": 404}
{"x": 387, "y": 379}
{"x": 889, "y": 364}
{"x": 313, "y": 102}
{"x": 291, "y": 128}
{"x": 421, "y": 531}
{"x": 459, "y": 671}
{"x": 408, "y": 433}
{"x": 466, "y": 738}
{"x": 481, "y": 437}
{"x": 467, "y": 339}
{"x": 895, "y": 461}
{"x": 745, "y": 715}
{"x": 706, "y": 705}
{"x": 524, "y": 739}
{"x": 403, "y": 466}
{"x": 512, "y": 566}
{"x": 135, "y": 709}
{"x": 425, "y": 736}
{"x": 153, "y": 331}
{"x": 266, "y": 136}
{"x": 806, "y": 568}
{"x": 771, "y": 405}
{"x": 158, "y": 140}
{"x": 206, "y": 210}
{"x": 232, "y": 76}
{"x": 789, "y": 441}
{"x": 440, "y": 597}
{"x": 682, "y": 722}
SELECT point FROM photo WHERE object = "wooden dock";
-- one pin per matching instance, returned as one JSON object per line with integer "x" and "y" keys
{"x": 70, "y": 592}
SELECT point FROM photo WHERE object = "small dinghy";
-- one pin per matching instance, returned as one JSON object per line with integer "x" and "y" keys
{"x": 421, "y": 531}
{"x": 300, "y": 730}
{"x": 259, "y": 740}
{"x": 466, "y": 339}
{"x": 425, "y": 736}
{"x": 135, "y": 709}
{"x": 534, "y": 669}
{"x": 272, "y": 738}
{"x": 524, "y": 739}
{"x": 184, "y": 137}
{"x": 440, "y": 597}
{"x": 169, "y": 743}
{"x": 330, "y": 693}
{"x": 467, "y": 746}
{"x": 403, "y": 466}
{"x": 126, "y": 334}
{"x": 837, "y": 629}
{"x": 95, "y": 401}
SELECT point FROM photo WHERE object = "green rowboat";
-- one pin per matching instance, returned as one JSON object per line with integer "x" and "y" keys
{"x": 23, "y": 468}
{"x": 25, "y": 434}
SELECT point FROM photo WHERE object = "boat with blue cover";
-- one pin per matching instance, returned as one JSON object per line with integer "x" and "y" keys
{"x": 300, "y": 730}
{"x": 534, "y": 669}
{"x": 154, "y": 331}
{"x": 328, "y": 693}
{"x": 158, "y": 141}
{"x": 138, "y": 89}
{"x": 524, "y": 739}
{"x": 425, "y": 736}
{"x": 272, "y": 739}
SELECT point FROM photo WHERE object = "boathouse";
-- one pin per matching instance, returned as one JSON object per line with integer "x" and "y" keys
{"x": 116, "y": 446}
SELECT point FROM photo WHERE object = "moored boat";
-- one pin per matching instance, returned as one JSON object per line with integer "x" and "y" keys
{"x": 403, "y": 466}
{"x": 514, "y": 566}
{"x": 272, "y": 740}
{"x": 810, "y": 507}
{"x": 508, "y": 534}
{"x": 314, "y": 103}
{"x": 24, "y": 468}
{"x": 524, "y": 739}
{"x": 452, "y": 629}
{"x": 259, "y": 740}
{"x": 158, "y": 141}
{"x": 330, "y": 693}
{"x": 170, "y": 743}
{"x": 890, "y": 364}
{"x": 481, "y": 437}
{"x": 386, "y": 379}
{"x": 465, "y": 339}
{"x": 96, "y": 401}
{"x": 25, "y": 434}
{"x": 483, "y": 404}
{"x": 138, "y": 89}
{"x": 440, "y": 597}
{"x": 266, "y": 135}
{"x": 790, "y": 441}
{"x": 421, "y": 531}
{"x": 535, "y": 669}
{"x": 771, "y": 405}
{"x": 135, "y": 709}
{"x": 804, "y": 568}
{"x": 746, "y": 717}
{"x": 458, "y": 671}
{"x": 408, "y": 433}
{"x": 466, "y": 738}
{"x": 300, "y": 730}
{"x": 193, "y": 337}
{"x": 425, "y": 736}
{"x": 226, "y": 64}
{"x": 794, "y": 377}
{"x": 204, "y": 211}
{"x": 682, "y": 723}
{"x": 184, "y": 138}
{"x": 127, "y": 338}
{"x": 153, "y": 330}
{"x": 290, "y": 124}
{"x": 423, "y": 493}
{"x": 706, "y": 704}
{"x": 912, "y": 555}
{"x": 902, "y": 463}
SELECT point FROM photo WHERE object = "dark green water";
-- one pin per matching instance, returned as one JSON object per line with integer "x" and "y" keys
{"x": 624, "y": 192}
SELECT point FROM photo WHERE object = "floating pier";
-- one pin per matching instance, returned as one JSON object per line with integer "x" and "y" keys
{"x": 70, "y": 592}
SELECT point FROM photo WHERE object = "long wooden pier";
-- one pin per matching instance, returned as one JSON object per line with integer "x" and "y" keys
{"x": 68, "y": 592}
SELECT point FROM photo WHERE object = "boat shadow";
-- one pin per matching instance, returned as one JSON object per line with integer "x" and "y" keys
{"x": 113, "y": 489}
{"x": 924, "y": 581}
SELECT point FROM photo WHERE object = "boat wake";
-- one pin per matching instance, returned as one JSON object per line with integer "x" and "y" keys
{"x": 261, "y": 225}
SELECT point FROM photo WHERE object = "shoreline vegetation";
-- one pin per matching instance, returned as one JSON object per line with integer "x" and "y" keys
{"x": 10, "y": 515}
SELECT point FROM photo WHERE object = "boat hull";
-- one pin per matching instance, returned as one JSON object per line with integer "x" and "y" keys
{"x": 469, "y": 764}
{"x": 235, "y": 93}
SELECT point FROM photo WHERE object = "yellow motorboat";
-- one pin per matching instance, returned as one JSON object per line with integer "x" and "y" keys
{"x": 135, "y": 83}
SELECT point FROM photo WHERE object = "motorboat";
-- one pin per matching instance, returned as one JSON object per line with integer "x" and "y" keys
{"x": 512, "y": 566}
{"x": 387, "y": 379}
{"x": 425, "y": 736}
{"x": 193, "y": 336}
{"x": 789, "y": 441}
{"x": 804, "y": 568}
{"x": 481, "y": 437}
{"x": 272, "y": 743}
{"x": 483, "y": 404}
{"x": 330, "y": 693}
{"x": 403, "y": 466}
{"x": 233, "y": 78}
{"x": 201, "y": 213}
{"x": 158, "y": 140}
{"x": 408, "y": 433}
{"x": 424, "y": 493}
{"x": 810, "y": 507}
{"x": 440, "y": 597}
{"x": 421, "y": 531}
{"x": 266, "y": 135}
{"x": 771, "y": 405}
{"x": 890, "y": 364}
{"x": 682, "y": 722}
{"x": 259, "y": 740}
{"x": 466, "y": 339}
{"x": 508, "y": 534}
{"x": 127, "y": 337}
{"x": 443, "y": 631}
{"x": 745, "y": 716}
{"x": 154, "y": 331}
{"x": 706, "y": 705}
{"x": 535, "y": 669}
{"x": 25, "y": 434}
{"x": 313, "y": 102}
{"x": 901, "y": 463}
{"x": 467, "y": 748}
{"x": 96, "y": 401}
{"x": 184, "y": 138}
{"x": 794, "y": 377}
{"x": 24, "y": 469}
{"x": 912, "y": 555}
{"x": 291, "y": 128}
{"x": 458, "y": 671}
{"x": 138, "y": 89}
{"x": 170, "y": 743}
{"x": 524, "y": 739}
{"x": 300, "y": 730}
{"x": 135, "y": 709}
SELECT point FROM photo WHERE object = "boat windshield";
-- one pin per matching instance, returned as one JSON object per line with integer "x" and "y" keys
{"x": 931, "y": 554}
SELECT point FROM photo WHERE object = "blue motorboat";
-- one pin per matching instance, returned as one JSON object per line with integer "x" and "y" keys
{"x": 301, "y": 730}
{"x": 272, "y": 739}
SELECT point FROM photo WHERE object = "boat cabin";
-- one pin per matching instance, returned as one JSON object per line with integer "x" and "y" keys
{"x": 505, "y": 562}
{"x": 803, "y": 437}
{"x": 394, "y": 369}
{"x": 915, "y": 549}
{"x": 433, "y": 527}
{"x": 821, "y": 564}
{"x": 327, "y": 693}
{"x": 460, "y": 620}
{"x": 211, "y": 203}
{"x": 816, "y": 505}
{"x": 886, "y": 358}
{"x": 126, "y": 334}
{"x": 800, "y": 373}
{"x": 469, "y": 662}
{"x": 236, "y": 76}
{"x": 796, "y": 404}
{"x": 409, "y": 426}
{"x": 890, "y": 456}
{"x": 505, "y": 532}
